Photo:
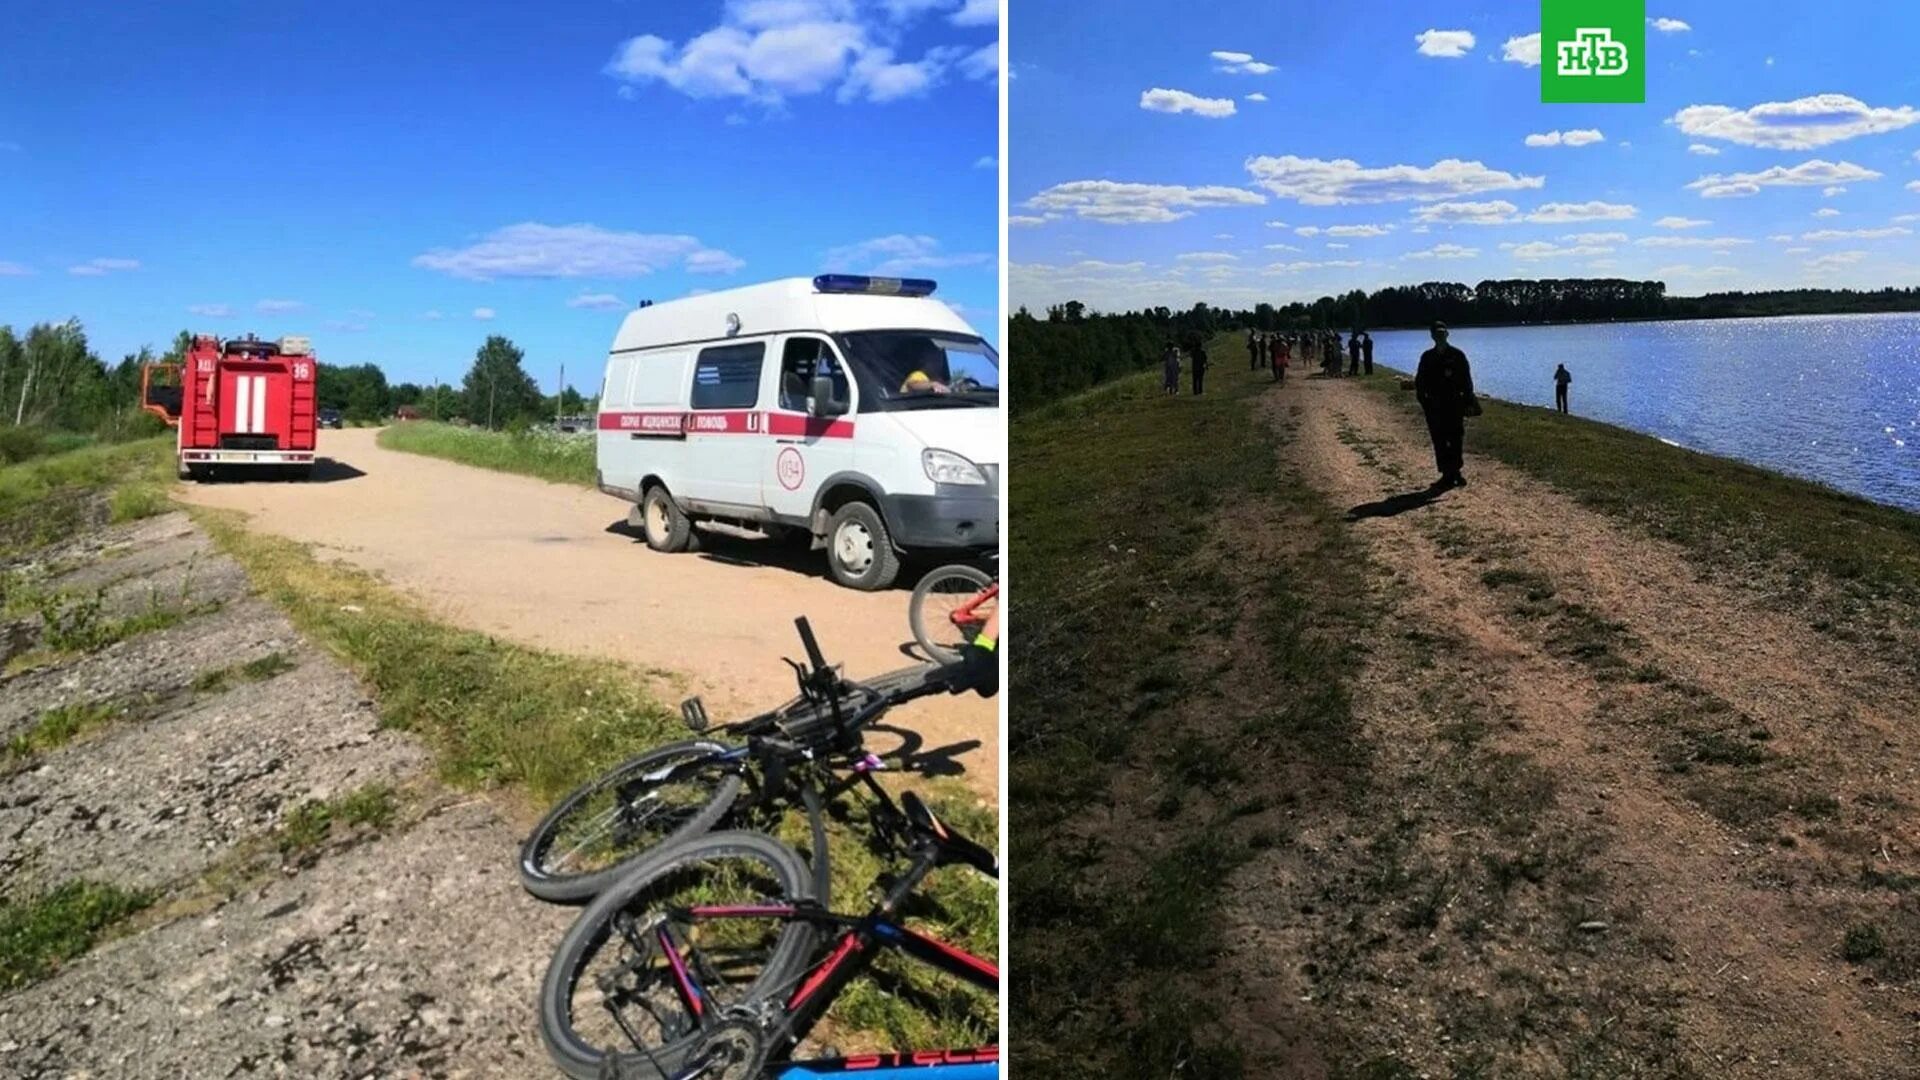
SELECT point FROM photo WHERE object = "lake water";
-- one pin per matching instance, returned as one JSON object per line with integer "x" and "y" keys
{"x": 1833, "y": 398}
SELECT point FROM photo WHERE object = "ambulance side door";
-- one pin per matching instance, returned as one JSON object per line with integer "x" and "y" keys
{"x": 805, "y": 449}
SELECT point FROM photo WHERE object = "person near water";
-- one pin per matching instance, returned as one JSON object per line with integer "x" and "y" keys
{"x": 1279, "y": 357}
{"x": 1443, "y": 384}
{"x": 1197, "y": 349}
{"x": 1561, "y": 377}
{"x": 1353, "y": 354}
{"x": 1170, "y": 370}
{"x": 1366, "y": 353}
{"x": 1333, "y": 350}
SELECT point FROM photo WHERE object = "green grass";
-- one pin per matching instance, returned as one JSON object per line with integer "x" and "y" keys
{"x": 311, "y": 824}
{"x": 497, "y": 714}
{"x": 52, "y": 498}
{"x": 1116, "y": 498}
{"x": 565, "y": 459}
{"x": 38, "y": 934}
{"x": 256, "y": 670}
{"x": 1728, "y": 513}
{"x": 59, "y": 726}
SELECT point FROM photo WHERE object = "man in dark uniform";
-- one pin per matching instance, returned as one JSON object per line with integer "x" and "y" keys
{"x": 1561, "y": 377}
{"x": 1197, "y": 348}
{"x": 1443, "y": 383}
{"x": 1366, "y": 353}
{"x": 1353, "y": 354}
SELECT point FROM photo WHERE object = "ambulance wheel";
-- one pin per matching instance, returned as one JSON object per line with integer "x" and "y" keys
{"x": 859, "y": 550}
{"x": 666, "y": 526}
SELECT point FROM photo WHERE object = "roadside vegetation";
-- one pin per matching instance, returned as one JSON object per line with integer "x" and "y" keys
{"x": 1156, "y": 540}
{"x": 38, "y": 934}
{"x": 52, "y": 498}
{"x": 537, "y": 452}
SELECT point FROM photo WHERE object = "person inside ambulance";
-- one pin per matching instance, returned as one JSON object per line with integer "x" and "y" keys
{"x": 919, "y": 382}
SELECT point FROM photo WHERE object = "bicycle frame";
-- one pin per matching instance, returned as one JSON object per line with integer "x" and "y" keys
{"x": 963, "y": 614}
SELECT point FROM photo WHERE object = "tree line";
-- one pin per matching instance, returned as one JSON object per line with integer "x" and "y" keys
{"x": 53, "y": 383}
{"x": 1073, "y": 348}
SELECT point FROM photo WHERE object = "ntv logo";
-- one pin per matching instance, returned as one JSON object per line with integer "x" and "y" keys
{"x": 1592, "y": 52}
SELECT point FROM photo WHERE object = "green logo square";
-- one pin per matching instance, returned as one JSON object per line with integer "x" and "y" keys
{"x": 1593, "y": 50}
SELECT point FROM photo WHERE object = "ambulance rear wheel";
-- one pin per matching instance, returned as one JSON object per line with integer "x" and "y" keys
{"x": 859, "y": 550}
{"x": 666, "y": 526}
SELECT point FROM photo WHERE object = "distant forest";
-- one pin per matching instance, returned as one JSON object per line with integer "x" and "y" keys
{"x": 1072, "y": 348}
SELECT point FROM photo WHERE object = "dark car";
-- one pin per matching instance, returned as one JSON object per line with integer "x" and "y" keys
{"x": 331, "y": 418}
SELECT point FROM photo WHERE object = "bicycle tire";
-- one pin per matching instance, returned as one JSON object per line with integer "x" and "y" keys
{"x": 560, "y": 888}
{"x": 580, "y": 1059}
{"x": 916, "y": 607}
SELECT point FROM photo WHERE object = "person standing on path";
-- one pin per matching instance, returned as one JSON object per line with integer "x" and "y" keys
{"x": 1254, "y": 345}
{"x": 1279, "y": 358}
{"x": 1170, "y": 370}
{"x": 1561, "y": 377}
{"x": 1197, "y": 349}
{"x": 1353, "y": 354}
{"x": 1366, "y": 353}
{"x": 1443, "y": 384}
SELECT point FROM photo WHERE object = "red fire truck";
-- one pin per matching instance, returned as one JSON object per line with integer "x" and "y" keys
{"x": 241, "y": 407}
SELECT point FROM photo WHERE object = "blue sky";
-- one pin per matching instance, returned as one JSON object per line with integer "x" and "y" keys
{"x": 400, "y": 180}
{"x": 1399, "y": 143}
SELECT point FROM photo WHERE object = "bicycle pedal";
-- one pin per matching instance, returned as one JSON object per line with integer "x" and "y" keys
{"x": 694, "y": 712}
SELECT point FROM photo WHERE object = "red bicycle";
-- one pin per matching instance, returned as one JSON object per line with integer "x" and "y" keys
{"x": 949, "y": 607}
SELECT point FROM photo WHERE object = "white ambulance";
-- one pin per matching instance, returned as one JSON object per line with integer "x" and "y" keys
{"x": 857, "y": 411}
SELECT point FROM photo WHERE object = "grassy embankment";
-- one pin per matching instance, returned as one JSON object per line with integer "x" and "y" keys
{"x": 1749, "y": 525}
{"x": 1153, "y": 539}
{"x": 565, "y": 459}
{"x": 526, "y": 723}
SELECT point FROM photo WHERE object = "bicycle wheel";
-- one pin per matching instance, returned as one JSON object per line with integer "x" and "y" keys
{"x": 584, "y": 842}
{"x": 937, "y": 599}
{"x": 642, "y": 974}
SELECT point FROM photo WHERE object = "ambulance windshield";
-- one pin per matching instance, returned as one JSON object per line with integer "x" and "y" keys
{"x": 921, "y": 369}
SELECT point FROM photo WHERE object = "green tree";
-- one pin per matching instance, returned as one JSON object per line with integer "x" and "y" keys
{"x": 497, "y": 389}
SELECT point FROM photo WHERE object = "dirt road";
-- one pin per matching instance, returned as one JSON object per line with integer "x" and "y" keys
{"x": 552, "y": 566}
{"x": 1685, "y": 804}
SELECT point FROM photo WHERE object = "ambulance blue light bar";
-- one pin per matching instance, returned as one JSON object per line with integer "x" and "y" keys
{"x": 874, "y": 286}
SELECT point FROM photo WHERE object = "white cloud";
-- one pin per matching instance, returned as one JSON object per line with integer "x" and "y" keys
{"x": 1444, "y": 43}
{"x": 103, "y": 267}
{"x": 1314, "y": 182}
{"x": 1906, "y": 217}
{"x": 897, "y": 255}
{"x": 1116, "y": 203}
{"x": 1718, "y": 243}
{"x": 1857, "y": 234}
{"x": 1583, "y": 137}
{"x": 1835, "y": 261}
{"x": 1795, "y": 250}
{"x": 988, "y": 162}
{"x": 1297, "y": 267}
{"x": 1444, "y": 251}
{"x": 14, "y": 269}
{"x": 1494, "y": 212}
{"x": 1028, "y": 221}
{"x": 1276, "y": 224}
{"x": 1814, "y": 173}
{"x": 1672, "y": 222}
{"x": 1359, "y": 230}
{"x": 1179, "y": 101}
{"x": 534, "y": 250}
{"x": 484, "y": 314}
{"x": 1587, "y": 211}
{"x": 1240, "y": 63}
{"x": 1596, "y": 238}
{"x": 1826, "y": 211}
{"x": 1703, "y": 149}
{"x": 278, "y": 307}
{"x": 1256, "y": 96}
{"x": 768, "y": 50}
{"x": 1669, "y": 26}
{"x": 982, "y": 64}
{"x": 211, "y": 311}
{"x": 1801, "y": 124}
{"x": 1307, "y": 230}
{"x": 1914, "y": 186}
{"x": 1522, "y": 50}
{"x": 1206, "y": 257}
{"x": 1542, "y": 249}
{"x": 977, "y": 13}
{"x": 597, "y": 302}
{"x": 1830, "y": 192}
{"x": 1281, "y": 247}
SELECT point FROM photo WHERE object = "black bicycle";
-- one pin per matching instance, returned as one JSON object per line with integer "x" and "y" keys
{"x": 712, "y": 959}
{"x": 805, "y": 753}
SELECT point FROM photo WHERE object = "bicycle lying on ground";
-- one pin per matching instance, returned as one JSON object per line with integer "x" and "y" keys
{"x": 949, "y": 607}
{"x": 806, "y": 752}
{"x": 716, "y": 973}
